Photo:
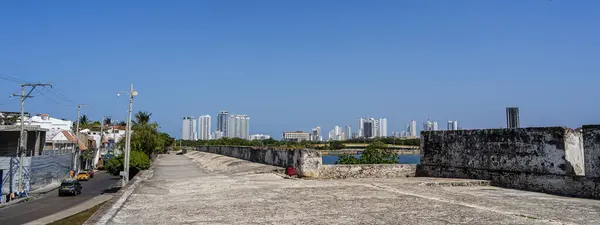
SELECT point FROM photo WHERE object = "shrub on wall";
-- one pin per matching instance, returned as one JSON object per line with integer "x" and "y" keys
{"x": 375, "y": 153}
{"x": 138, "y": 161}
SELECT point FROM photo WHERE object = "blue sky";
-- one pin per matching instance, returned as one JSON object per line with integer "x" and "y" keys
{"x": 294, "y": 65}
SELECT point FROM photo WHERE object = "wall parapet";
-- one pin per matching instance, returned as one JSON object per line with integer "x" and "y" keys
{"x": 554, "y": 160}
{"x": 367, "y": 171}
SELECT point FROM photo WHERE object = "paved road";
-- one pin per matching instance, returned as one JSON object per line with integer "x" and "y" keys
{"x": 50, "y": 203}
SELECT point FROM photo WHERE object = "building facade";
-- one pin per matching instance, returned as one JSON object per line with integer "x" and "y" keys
{"x": 382, "y": 128}
{"x": 222, "y": 120}
{"x": 238, "y": 126}
{"x": 316, "y": 134}
{"x": 512, "y": 117}
{"x": 259, "y": 137}
{"x": 296, "y": 136}
{"x": 217, "y": 135}
{"x": 413, "y": 128}
{"x": 348, "y": 133}
{"x": 453, "y": 125}
{"x": 204, "y": 127}
{"x": 189, "y": 129}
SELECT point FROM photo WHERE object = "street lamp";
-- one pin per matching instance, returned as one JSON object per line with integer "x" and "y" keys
{"x": 125, "y": 172}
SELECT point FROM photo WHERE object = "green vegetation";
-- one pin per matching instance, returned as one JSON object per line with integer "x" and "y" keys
{"x": 375, "y": 153}
{"x": 138, "y": 161}
{"x": 78, "y": 218}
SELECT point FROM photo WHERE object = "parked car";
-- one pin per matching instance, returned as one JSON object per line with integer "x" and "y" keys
{"x": 91, "y": 173}
{"x": 83, "y": 175}
{"x": 70, "y": 187}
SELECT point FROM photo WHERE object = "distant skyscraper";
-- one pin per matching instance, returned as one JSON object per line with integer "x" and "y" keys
{"x": 336, "y": 134}
{"x": 413, "y": 128}
{"x": 316, "y": 134}
{"x": 348, "y": 133}
{"x": 204, "y": 127}
{"x": 238, "y": 126}
{"x": 435, "y": 125}
{"x": 361, "y": 128}
{"x": 382, "y": 127}
{"x": 512, "y": 117}
{"x": 222, "y": 120}
{"x": 368, "y": 131}
{"x": 453, "y": 125}
{"x": 188, "y": 129}
{"x": 429, "y": 125}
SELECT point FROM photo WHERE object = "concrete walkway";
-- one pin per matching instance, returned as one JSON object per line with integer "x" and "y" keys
{"x": 203, "y": 188}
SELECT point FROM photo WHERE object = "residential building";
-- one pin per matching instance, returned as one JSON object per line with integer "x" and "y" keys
{"x": 512, "y": 117}
{"x": 348, "y": 133}
{"x": 259, "y": 137}
{"x": 10, "y": 135}
{"x": 238, "y": 126}
{"x": 453, "y": 125}
{"x": 382, "y": 127}
{"x": 53, "y": 125}
{"x": 413, "y": 128}
{"x": 316, "y": 134}
{"x": 296, "y": 136}
{"x": 189, "y": 129}
{"x": 222, "y": 120}
{"x": 204, "y": 127}
{"x": 361, "y": 128}
{"x": 435, "y": 125}
{"x": 217, "y": 135}
{"x": 430, "y": 126}
{"x": 368, "y": 128}
{"x": 336, "y": 134}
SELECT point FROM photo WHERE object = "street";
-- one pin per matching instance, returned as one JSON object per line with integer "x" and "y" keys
{"x": 50, "y": 203}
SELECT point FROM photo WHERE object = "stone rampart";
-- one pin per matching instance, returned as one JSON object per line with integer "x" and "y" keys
{"x": 555, "y": 160}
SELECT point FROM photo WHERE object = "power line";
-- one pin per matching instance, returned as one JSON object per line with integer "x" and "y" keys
{"x": 51, "y": 99}
{"x": 11, "y": 78}
{"x": 60, "y": 96}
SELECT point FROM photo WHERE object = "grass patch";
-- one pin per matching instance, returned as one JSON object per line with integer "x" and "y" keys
{"x": 78, "y": 218}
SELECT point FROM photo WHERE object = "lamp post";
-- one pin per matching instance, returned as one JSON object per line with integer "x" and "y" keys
{"x": 132, "y": 93}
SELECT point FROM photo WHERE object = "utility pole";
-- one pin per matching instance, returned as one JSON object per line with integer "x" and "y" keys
{"x": 77, "y": 150}
{"x": 132, "y": 93}
{"x": 21, "y": 148}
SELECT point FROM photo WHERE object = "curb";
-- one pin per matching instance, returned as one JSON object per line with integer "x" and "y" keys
{"x": 112, "y": 206}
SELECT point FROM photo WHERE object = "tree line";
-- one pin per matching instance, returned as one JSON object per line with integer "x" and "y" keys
{"x": 146, "y": 141}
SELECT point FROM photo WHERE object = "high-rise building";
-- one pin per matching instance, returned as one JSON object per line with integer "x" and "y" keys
{"x": 428, "y": 126}
{"x": 296, "y": 136}
{"x": 452, "y": 125}
{"x": 368, "y": 131}
{"x": 204, "y": 127}
{"x": 512, "y": 117}
{"x": 316, "y": 134}
{"x": 382, "y": 127}
{"x": 435, "y": 125}
{"x": 413, "y": 128}
{"x": 336, "y": 134}
{"x": 361, "y": 128}
{"x": 348, "y": 133}
{"x": 238, "y": 126}
{"x": 188, "y": 129}
{"x": 222, "y": 119}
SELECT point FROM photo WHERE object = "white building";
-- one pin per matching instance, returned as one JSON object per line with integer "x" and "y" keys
{"x": 296, "y": 136}
{"x": 189, "y": 129}
{"x": 412, "y": 128}
{"x": 204, "y": 127}
{"x": 259, "y": 137}
{"x": 382, "y": 128}
{"x": 453, "y": 125}
{"x": 316, "y": 134}
{"x": 217, "y": 135}
{"x": 53, "y": 125}
{"x": 238, "y": 126}
{"x": 348, "y": 133}
{"x": 430, "y": 126}
{"x": 336, "y": 134}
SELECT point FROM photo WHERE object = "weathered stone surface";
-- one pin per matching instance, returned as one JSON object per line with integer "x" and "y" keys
{"x": 306, "y": 161}
{"x": 591, "y": 146}
{"x": 530, "y": 150}
{"x": 367, "y": 171}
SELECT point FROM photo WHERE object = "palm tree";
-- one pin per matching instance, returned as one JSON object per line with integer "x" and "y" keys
{"x": 142, "y": 117}
{"x": 107, "y": 121}
{"x": 83, "y": 121}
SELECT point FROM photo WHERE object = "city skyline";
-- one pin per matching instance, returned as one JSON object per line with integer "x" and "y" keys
{"x": 247, "y": 60}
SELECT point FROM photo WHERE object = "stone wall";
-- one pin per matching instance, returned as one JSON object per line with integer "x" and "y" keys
{"x": 552, "y": 159}
{"x": 306, "y": 161}
{"x": 367, "y": 171}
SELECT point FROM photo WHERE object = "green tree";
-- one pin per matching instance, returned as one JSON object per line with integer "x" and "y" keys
{"x": 83, "y": 121}
{"x": 142, "y": 117}
{"x": 375, "y": 153}
{"x": 138, "y": 162}
{"x": 336, "y": 145}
